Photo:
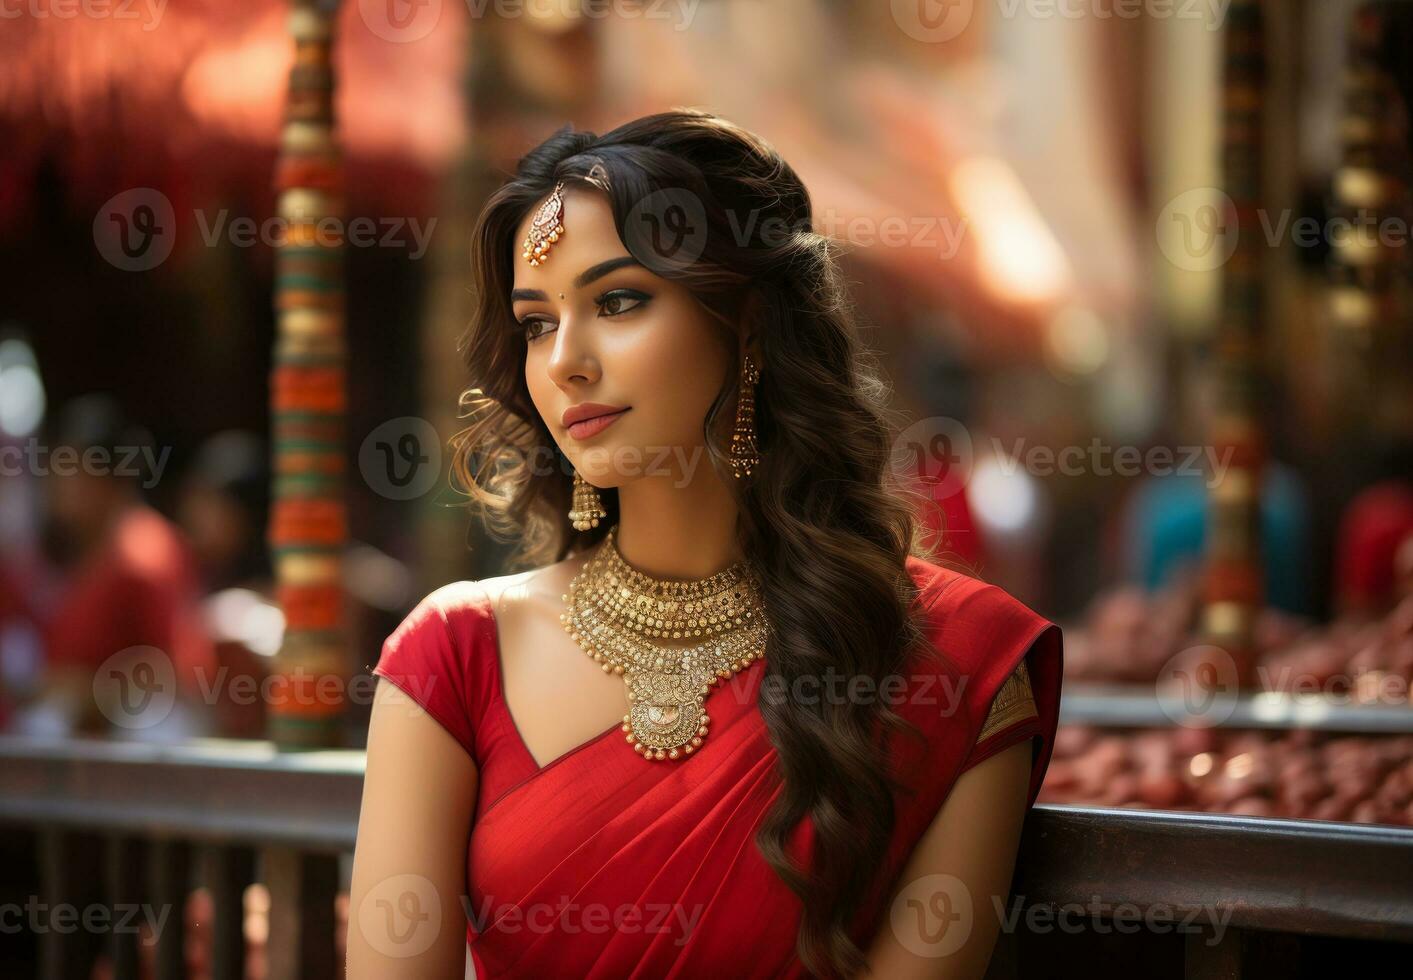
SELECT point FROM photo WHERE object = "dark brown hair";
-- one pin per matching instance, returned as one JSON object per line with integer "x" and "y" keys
{"x": 819, "y": 516}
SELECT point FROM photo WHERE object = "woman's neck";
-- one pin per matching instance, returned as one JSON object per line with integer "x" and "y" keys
{"x": 674, "y": 531}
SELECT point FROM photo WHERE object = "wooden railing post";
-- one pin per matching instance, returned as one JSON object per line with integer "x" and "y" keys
{"x": 169, "y": 880}
{"x": 1240, "y": 954}
{"x": 122, "y": 868}
{"x": 67, "y": 886}
{"x": 302, "y": 889}
{"x": 229, "y": 871}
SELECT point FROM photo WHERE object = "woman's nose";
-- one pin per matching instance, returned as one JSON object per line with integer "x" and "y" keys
{"x": 572, "y": 358}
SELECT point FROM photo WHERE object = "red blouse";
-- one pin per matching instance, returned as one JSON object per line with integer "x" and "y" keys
{"x": 599, "y": 864}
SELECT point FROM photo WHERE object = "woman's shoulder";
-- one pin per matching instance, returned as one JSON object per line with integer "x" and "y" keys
{"x": 444, "y": 655}
{"x": 465, "y": 613}
{"x": 960, "y": 605}
{"x": 442, "y": 636}
{"x": 465, "y": 603}
{"x": 1004, "y": 659}
{"x": 446, "y": 652}
{"x": 983, "y": 636}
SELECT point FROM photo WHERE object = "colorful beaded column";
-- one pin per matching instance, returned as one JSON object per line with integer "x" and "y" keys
{"x": 1370, "y": 271}
{"x": 1233, "y": 590}
{"x": 308, "y": 524}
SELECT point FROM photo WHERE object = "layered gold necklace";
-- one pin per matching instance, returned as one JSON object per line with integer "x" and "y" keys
{"x": 621, "y": 617}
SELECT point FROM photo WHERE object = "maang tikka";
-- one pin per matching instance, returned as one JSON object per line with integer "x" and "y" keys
{"x": 545, "y": 228}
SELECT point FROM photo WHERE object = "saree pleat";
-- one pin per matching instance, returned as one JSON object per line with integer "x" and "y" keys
{"x": 733, "y": 844}
{"x": 645, "y": 837}
{"x": 703, "y": 898}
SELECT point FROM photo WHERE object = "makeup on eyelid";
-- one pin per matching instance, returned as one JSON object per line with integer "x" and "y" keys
{"x": 621, "y": 293}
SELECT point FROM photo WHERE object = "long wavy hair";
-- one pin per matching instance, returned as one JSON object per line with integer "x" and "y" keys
{"x": 820, "y": 517}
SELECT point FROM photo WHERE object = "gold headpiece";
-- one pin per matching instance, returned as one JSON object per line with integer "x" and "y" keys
{"x": 546, "y": 227}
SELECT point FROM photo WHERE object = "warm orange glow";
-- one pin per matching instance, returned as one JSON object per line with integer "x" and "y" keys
{"x": 223, "y": 71}
{"x": 1076, "y": 341}
{"x": 1020, "y": 258}
{"x": 240, "y": 86}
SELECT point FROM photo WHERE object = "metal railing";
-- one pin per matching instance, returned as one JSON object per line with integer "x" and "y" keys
{"x": 122, "y": 825}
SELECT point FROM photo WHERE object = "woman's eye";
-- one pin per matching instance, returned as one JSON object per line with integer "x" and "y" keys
{"x": 612, "y": 303}
{"x": 530, "y": 332}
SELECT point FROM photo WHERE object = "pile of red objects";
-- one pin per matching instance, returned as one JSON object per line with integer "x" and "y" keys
{"x": 1129, "y": 636}
{"x": 1370, "y": 660}
{"x": 1299, "y": 773}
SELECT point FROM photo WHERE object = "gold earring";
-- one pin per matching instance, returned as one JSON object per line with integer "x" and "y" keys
{"x": 587, "y": 510}
{"x": 744, "y": 457}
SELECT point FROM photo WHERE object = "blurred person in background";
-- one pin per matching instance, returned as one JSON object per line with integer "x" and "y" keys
{"x": 122, "y": 640}
{"x": 223, "y": 509}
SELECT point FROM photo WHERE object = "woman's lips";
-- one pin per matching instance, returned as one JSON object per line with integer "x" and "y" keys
{"x": 592, "y": 427}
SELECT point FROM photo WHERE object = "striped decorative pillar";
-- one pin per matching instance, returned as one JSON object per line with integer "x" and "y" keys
{"x": 1370, "y": 270}
{"x": 308, "y": 525}
{"x": 1233, "y": 591}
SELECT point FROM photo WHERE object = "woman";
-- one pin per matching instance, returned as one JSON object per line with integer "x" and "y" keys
{"x": 729, "y": 724}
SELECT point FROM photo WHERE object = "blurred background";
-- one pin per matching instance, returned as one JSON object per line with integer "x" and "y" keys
{"x": 1138, "y": 273}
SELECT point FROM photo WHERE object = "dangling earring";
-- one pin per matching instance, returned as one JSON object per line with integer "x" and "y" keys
{"x": 744, "y": 456}
{"x": 587, "y": 510}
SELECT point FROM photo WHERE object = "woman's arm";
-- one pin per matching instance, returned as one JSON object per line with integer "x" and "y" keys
{"x": 405, "y": 913}
{"x": 942, "y": 921}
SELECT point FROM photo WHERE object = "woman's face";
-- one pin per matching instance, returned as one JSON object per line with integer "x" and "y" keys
{"x": 601, "y": 328}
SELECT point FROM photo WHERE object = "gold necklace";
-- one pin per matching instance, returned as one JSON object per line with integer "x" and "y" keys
{"x": 619, "y": 616}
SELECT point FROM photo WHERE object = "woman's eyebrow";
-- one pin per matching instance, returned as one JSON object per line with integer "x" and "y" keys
{"x": 593, "y": 272}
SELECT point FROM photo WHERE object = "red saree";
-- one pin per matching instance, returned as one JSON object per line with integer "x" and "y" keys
{"x": 600, "y": 864}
